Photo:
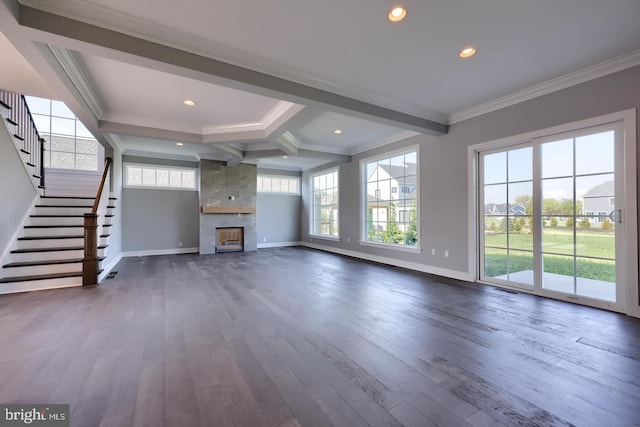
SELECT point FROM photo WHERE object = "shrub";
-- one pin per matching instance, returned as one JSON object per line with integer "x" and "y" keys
{"x": 584, "y": 223}
{"x": 606, "y": 224}
{"x": 569, "y": 223}
{"x": 553, "y": 221}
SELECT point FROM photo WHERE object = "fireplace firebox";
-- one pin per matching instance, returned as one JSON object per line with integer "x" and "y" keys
{"x": 229, "y": 239}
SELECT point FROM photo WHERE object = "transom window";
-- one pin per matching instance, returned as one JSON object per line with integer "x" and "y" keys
{"x": 324, "y": 212}
{"x": 390, "y": 189}
{"x": 278, "y": 184}
{"x": 159, "y": 177}
{"x": 69, "y": 144}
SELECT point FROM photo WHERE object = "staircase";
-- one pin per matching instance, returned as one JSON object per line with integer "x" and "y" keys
{"x": 50, "y": 250}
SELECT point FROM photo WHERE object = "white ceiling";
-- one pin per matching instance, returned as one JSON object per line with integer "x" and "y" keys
{"x": 348, "y": 49}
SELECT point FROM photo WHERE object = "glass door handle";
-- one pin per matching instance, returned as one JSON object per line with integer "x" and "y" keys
{"x": 616, "y": 215}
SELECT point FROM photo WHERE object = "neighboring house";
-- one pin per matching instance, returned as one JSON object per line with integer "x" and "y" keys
{"x": 599, "y": 201}
{"x": 399, "y": 188}
{"x": 516, "y": 209}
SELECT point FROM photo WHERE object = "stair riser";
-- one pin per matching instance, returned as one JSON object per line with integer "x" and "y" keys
{"x": 34, "y": 270}
{"x": 56, "y": 221}
{"x": 48, "y": 243}
{"x": 45, "y": 256}
{"x": 65, "y": 282}
{"x": 66, "y": 201}
{"x": 76, "y": 231}
{"x": 54, "y": 210}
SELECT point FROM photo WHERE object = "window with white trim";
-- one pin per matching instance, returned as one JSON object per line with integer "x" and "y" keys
{"x": 159, "y": 177}
{"x": 276, "y": 184}
{"x": 324, "y": 210}
{"x": 390, "y": 199}
{"x": 68, "y": 143}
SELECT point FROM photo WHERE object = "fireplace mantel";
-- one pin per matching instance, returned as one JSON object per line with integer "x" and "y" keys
{"x": 228, "y": 209}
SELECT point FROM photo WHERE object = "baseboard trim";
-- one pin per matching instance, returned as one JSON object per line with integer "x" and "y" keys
{"x": 277, "y": 244}
{"x": 175, "y": 251}
{"x": 444, "y": 272}
{"x": 107, "y": 268}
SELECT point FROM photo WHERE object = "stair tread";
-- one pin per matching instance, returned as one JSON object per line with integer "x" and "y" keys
{"x": 5, "y": 105}
{"x": 69, "y": 197}
{"x": 54, "y": 226}
{"x": 18, "y": 137}
{"x": 46, "y": 262}
{"x": 56, "y": 249}
{"x": 56, "y": 216}
{"x": 11, "y": 120}
{"x": 70, "y": 236}
{"x": 65, "y": 206}
{"x": 40, "y": 277}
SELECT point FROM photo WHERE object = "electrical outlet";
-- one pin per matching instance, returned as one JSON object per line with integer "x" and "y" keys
{"x": 179, "y": 244}
{"x": 446, "y": 253}
{"x": 348, "y": 239}
{"x": 433, "y": 251}
{"x": 264, "y": 239}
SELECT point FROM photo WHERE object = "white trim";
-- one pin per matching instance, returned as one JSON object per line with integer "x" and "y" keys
{"x": 287, "y": 193}
{"x": 586, "y": 74}
{"x": 322, "y": 237}
{"x": 278, "y": 245}
{"x": 444, "y": 272}
{"x": 13, "y": 241}
{"x": 391, "y": 246}
{"x": 106, "y": 269}
{"x": 154, "y": 252}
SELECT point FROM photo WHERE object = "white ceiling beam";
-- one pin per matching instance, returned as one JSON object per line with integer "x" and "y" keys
{"x": 237, "y": 156}
{"x": 288, "y": 143}
{"x": 204, "y": 68}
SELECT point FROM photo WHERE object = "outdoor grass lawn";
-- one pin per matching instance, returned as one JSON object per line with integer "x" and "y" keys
{"x": 600, "y": 244}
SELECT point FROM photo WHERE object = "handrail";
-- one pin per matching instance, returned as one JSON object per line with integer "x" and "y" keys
{"x": 27, "y": 135}
{"x": 107, "y": 165}
{"x": 90, "y": 260}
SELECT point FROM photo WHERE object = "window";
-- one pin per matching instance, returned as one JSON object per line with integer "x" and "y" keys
{"x": 159, "y": 177}
{"x": 324, "y": 217}
{"x": 69, "y": 144}
{"x": 278, "y": 184}
{"x": 612, "y": 201}
{"x": 602, "y": 216}
{"x": 391, "y": 216}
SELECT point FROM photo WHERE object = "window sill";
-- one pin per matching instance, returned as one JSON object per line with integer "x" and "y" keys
{"x": 317, "y": 236}
{"x": 389, "y": 246}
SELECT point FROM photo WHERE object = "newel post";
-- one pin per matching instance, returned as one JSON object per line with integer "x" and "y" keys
{"x": 90, "y": 260}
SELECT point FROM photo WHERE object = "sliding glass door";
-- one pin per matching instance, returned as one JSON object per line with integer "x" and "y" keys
{"x": 551, "y": 216}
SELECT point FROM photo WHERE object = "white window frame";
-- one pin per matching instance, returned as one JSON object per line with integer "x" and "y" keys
{"x": 311, "y": 216}
{"x": 281, "y": 193}
{"x": 363, "y": 201}
{"x": 125, "y": 184}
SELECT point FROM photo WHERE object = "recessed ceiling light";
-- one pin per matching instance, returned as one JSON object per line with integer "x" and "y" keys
{"x": 467, "y": 52}
{"x": 338, "y": 131}
{"x": 189, "y": 102}
{"x": 397, "y": 14}
{"x": 179, "y": 143}
{"x": 285, "y": 157}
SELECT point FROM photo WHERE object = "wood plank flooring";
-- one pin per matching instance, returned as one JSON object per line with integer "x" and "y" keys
{"x": 294, "y": 337}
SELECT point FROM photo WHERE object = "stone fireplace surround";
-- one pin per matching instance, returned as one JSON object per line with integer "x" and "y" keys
{"x": 227, "y": 187}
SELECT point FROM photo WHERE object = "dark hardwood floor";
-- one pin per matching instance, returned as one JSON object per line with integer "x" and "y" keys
{"x": 296, "y": 337}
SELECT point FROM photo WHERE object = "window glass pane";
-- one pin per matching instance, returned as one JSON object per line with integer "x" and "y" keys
{"x": 259, "y": 185}
{"x": 39, "y": 105}
{"x": 82, "y": 131}
{"x": 188, "y": 179}
{"x": 175, "y": 178}
{"x": 87, "y": 162}
{"x": 134, "y": 175}
{"x": 521, "y": 164}
{"x": 61, "y": 143}
{"x": 325, "y": 204}
{"x": 148, "y": 177}
{"x": 595, "y": 153}
{"x": 267, "y": 184}
{"x": 557, "y": 158}
{"x": 162, "y": 177}
{"x": 63, "y": 126}
{"x": 85, "y": 146}
{"x": 59, "y": 109}
{"x": 62, "y": 160}
{"x": 43, "y": 124}
{"x": 495, "y": 168}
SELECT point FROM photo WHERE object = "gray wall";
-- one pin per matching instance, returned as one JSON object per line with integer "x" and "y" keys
{"x": 278, "y": 214}
{"x": 444, "y": 170}
{"x": 17, "y": 193}
{"x": 158, "y": 219}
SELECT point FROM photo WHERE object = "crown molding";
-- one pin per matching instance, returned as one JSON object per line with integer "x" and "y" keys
{"x": 275, "y": 114}
{"x": 73, "y": 71}
{"x": 581, "y": 76}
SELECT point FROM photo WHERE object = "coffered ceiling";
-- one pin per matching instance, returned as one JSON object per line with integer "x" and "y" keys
{"x": 274, "y": 79}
